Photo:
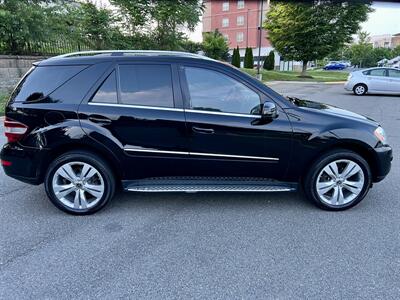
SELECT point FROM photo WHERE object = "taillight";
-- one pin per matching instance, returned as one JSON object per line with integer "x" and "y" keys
{"x": 14, "y": 131}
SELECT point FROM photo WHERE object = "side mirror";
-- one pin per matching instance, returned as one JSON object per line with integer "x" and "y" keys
{"x": 269, "y": 110}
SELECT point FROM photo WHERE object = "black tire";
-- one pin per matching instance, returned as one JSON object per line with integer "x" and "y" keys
{"x": 310, "y": 181}
{"x": 360, "y": 89}
{"x": 85, "y": 157}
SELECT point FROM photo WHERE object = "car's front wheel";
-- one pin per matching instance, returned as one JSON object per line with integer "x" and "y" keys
{"x": 360, "y": 89}
{"x": 79, "y": 183}
{"x": 338, "y": 180}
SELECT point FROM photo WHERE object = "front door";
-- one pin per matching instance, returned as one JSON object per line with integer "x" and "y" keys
{"x": 227, "y": 136}
{"x": 137, "y": 112}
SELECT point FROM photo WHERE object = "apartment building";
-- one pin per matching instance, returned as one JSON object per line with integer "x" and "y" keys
{"x": 239, "y": 21}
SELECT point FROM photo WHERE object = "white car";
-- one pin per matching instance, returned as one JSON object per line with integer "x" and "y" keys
{"x": 374, "y": 80}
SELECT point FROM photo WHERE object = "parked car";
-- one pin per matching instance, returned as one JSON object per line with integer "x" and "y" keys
{"x": 335, "y": 66}
{"x": 88, "y": 123}
{"x": 374, "y": 80}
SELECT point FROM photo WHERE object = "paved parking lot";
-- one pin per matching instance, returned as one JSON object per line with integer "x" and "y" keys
{"x": 270, "y": 246}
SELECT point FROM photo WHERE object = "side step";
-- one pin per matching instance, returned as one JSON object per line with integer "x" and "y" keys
{"x": 207, "y": 184}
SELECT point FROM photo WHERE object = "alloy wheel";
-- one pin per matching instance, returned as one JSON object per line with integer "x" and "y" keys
{"x": 78, "y": 185}
{"x": 340, "y": 182}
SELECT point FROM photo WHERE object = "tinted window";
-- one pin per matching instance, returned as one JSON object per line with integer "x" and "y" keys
{"x": 213, "y": 91}
{"x": 41, "y": 81}
{"x": 77, "y": 87}
{"x": 149, "y": 85}
{"x": 377, "y": 72}
{"x": 107, "y": 93}
{"x": 394, "y": 73}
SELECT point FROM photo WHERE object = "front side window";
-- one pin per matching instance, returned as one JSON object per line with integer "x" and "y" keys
{"x": 147, "y": 85}
{"x": 225, "y": 22}
{"x": 394, "y": 73}
{"x": 225, "y": 6}
{"x": 214, "y": 91}
{"x": 107, "y": 93}
{"x": 377, "y": 72}
{"x": 240, "y": 20}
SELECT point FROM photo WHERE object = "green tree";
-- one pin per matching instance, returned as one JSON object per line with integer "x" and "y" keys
{"x": 396, "y": 51}
{"x": 363, "y": 54}
{"x": 248, "y": 59}
{"x": 19, "y": 24}
{"x": 312, "y": 30}
{"x": 269, "y": 62}
{"x": 162, "y": 21}
{"x": 236, "y": 57}
{"x": 190, "y": 46}
{"x": 215, "y": 45}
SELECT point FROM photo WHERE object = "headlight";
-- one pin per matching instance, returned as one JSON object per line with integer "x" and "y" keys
{"x": 381, "y": 135}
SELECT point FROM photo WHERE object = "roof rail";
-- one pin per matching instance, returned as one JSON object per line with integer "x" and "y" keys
{"x": 132, "y": 52}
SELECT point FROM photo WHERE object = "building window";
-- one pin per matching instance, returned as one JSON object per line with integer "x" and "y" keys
{"x": 225, "y": 22}
{"x": 240, "y": 20}
{"x": 226, "y": 37}
{"x": 225, "y": 6}
{"x": 240, "y": 4}
{"x": 239, "y": 37}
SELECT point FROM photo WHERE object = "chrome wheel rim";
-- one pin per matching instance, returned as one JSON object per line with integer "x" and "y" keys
{"x": 360, "y": 90}
{"x": 78, "y": 185}
{"x": 340, "y": 182}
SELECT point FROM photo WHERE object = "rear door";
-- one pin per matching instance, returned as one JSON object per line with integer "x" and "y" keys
{"x": 137, "y": 109}
{"x": 377, "y": 80}
{"x": 227, "y": 136}
{"x": 394, "y": 80}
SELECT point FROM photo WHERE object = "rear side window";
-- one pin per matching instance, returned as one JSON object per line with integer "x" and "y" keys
{"x": 147, "y": 85}
{"x": 107, "y": 93}
{"x": 377, "y": 72}
{"x": 41, "y": 81}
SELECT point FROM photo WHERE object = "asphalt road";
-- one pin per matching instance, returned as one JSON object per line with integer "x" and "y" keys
{"x": 219, "y": 246}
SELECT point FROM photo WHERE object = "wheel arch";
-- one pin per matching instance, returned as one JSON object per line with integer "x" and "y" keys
{"x": 362, "y": 149}
{"x": 107, "y": 156}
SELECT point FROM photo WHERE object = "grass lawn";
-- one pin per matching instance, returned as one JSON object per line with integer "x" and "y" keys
{"x": 318, "y": 75}
{"x": 3, "y": 99}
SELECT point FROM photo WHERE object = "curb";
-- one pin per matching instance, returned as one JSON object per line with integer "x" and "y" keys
{"x": 303, "y": 82}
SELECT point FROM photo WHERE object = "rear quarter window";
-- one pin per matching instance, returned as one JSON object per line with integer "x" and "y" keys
{"x": 41, "y": 81}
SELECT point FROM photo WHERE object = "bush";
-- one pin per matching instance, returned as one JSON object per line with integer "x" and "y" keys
{"x": 269, "y": 62}
{"x": 248, "y": 59}
{"x": 236, "y": 57}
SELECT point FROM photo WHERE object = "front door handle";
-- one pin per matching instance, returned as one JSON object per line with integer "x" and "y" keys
{"x": 99, "y": 119}
{"x": 203, "y": 130}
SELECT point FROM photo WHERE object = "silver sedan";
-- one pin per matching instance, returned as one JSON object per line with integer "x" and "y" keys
{"x": 374, "y": 81}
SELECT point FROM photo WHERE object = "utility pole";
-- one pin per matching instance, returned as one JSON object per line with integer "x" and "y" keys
{"x": 247, "y": 28}
{"x": 259, "y": 40}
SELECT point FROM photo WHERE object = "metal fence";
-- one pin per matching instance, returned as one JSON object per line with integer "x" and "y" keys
{"x": 48, "y": 48}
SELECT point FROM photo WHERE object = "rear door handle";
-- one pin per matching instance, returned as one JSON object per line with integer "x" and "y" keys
{"x": 99, "y": 119}
{"x": 203, "y": 130}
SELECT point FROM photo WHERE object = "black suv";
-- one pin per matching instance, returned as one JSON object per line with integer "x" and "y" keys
{"x": 89, "y": 123}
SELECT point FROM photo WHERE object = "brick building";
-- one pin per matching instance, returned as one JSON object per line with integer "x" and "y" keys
{"x": 238, "y": 21}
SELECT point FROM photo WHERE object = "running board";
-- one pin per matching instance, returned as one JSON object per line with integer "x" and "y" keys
{"x": 207, "y": 184}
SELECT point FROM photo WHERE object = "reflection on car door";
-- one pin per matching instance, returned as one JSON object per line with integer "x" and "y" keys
{"x": 227, "y": 136}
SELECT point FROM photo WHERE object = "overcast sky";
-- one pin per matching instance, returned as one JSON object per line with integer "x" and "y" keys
{"x": 385, "y": 19}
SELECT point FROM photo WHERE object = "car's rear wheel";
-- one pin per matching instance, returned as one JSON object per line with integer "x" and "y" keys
{"x": 338, "y": 180}
{"x": 79, "y": 183}
{"x": 360, "y": 89}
